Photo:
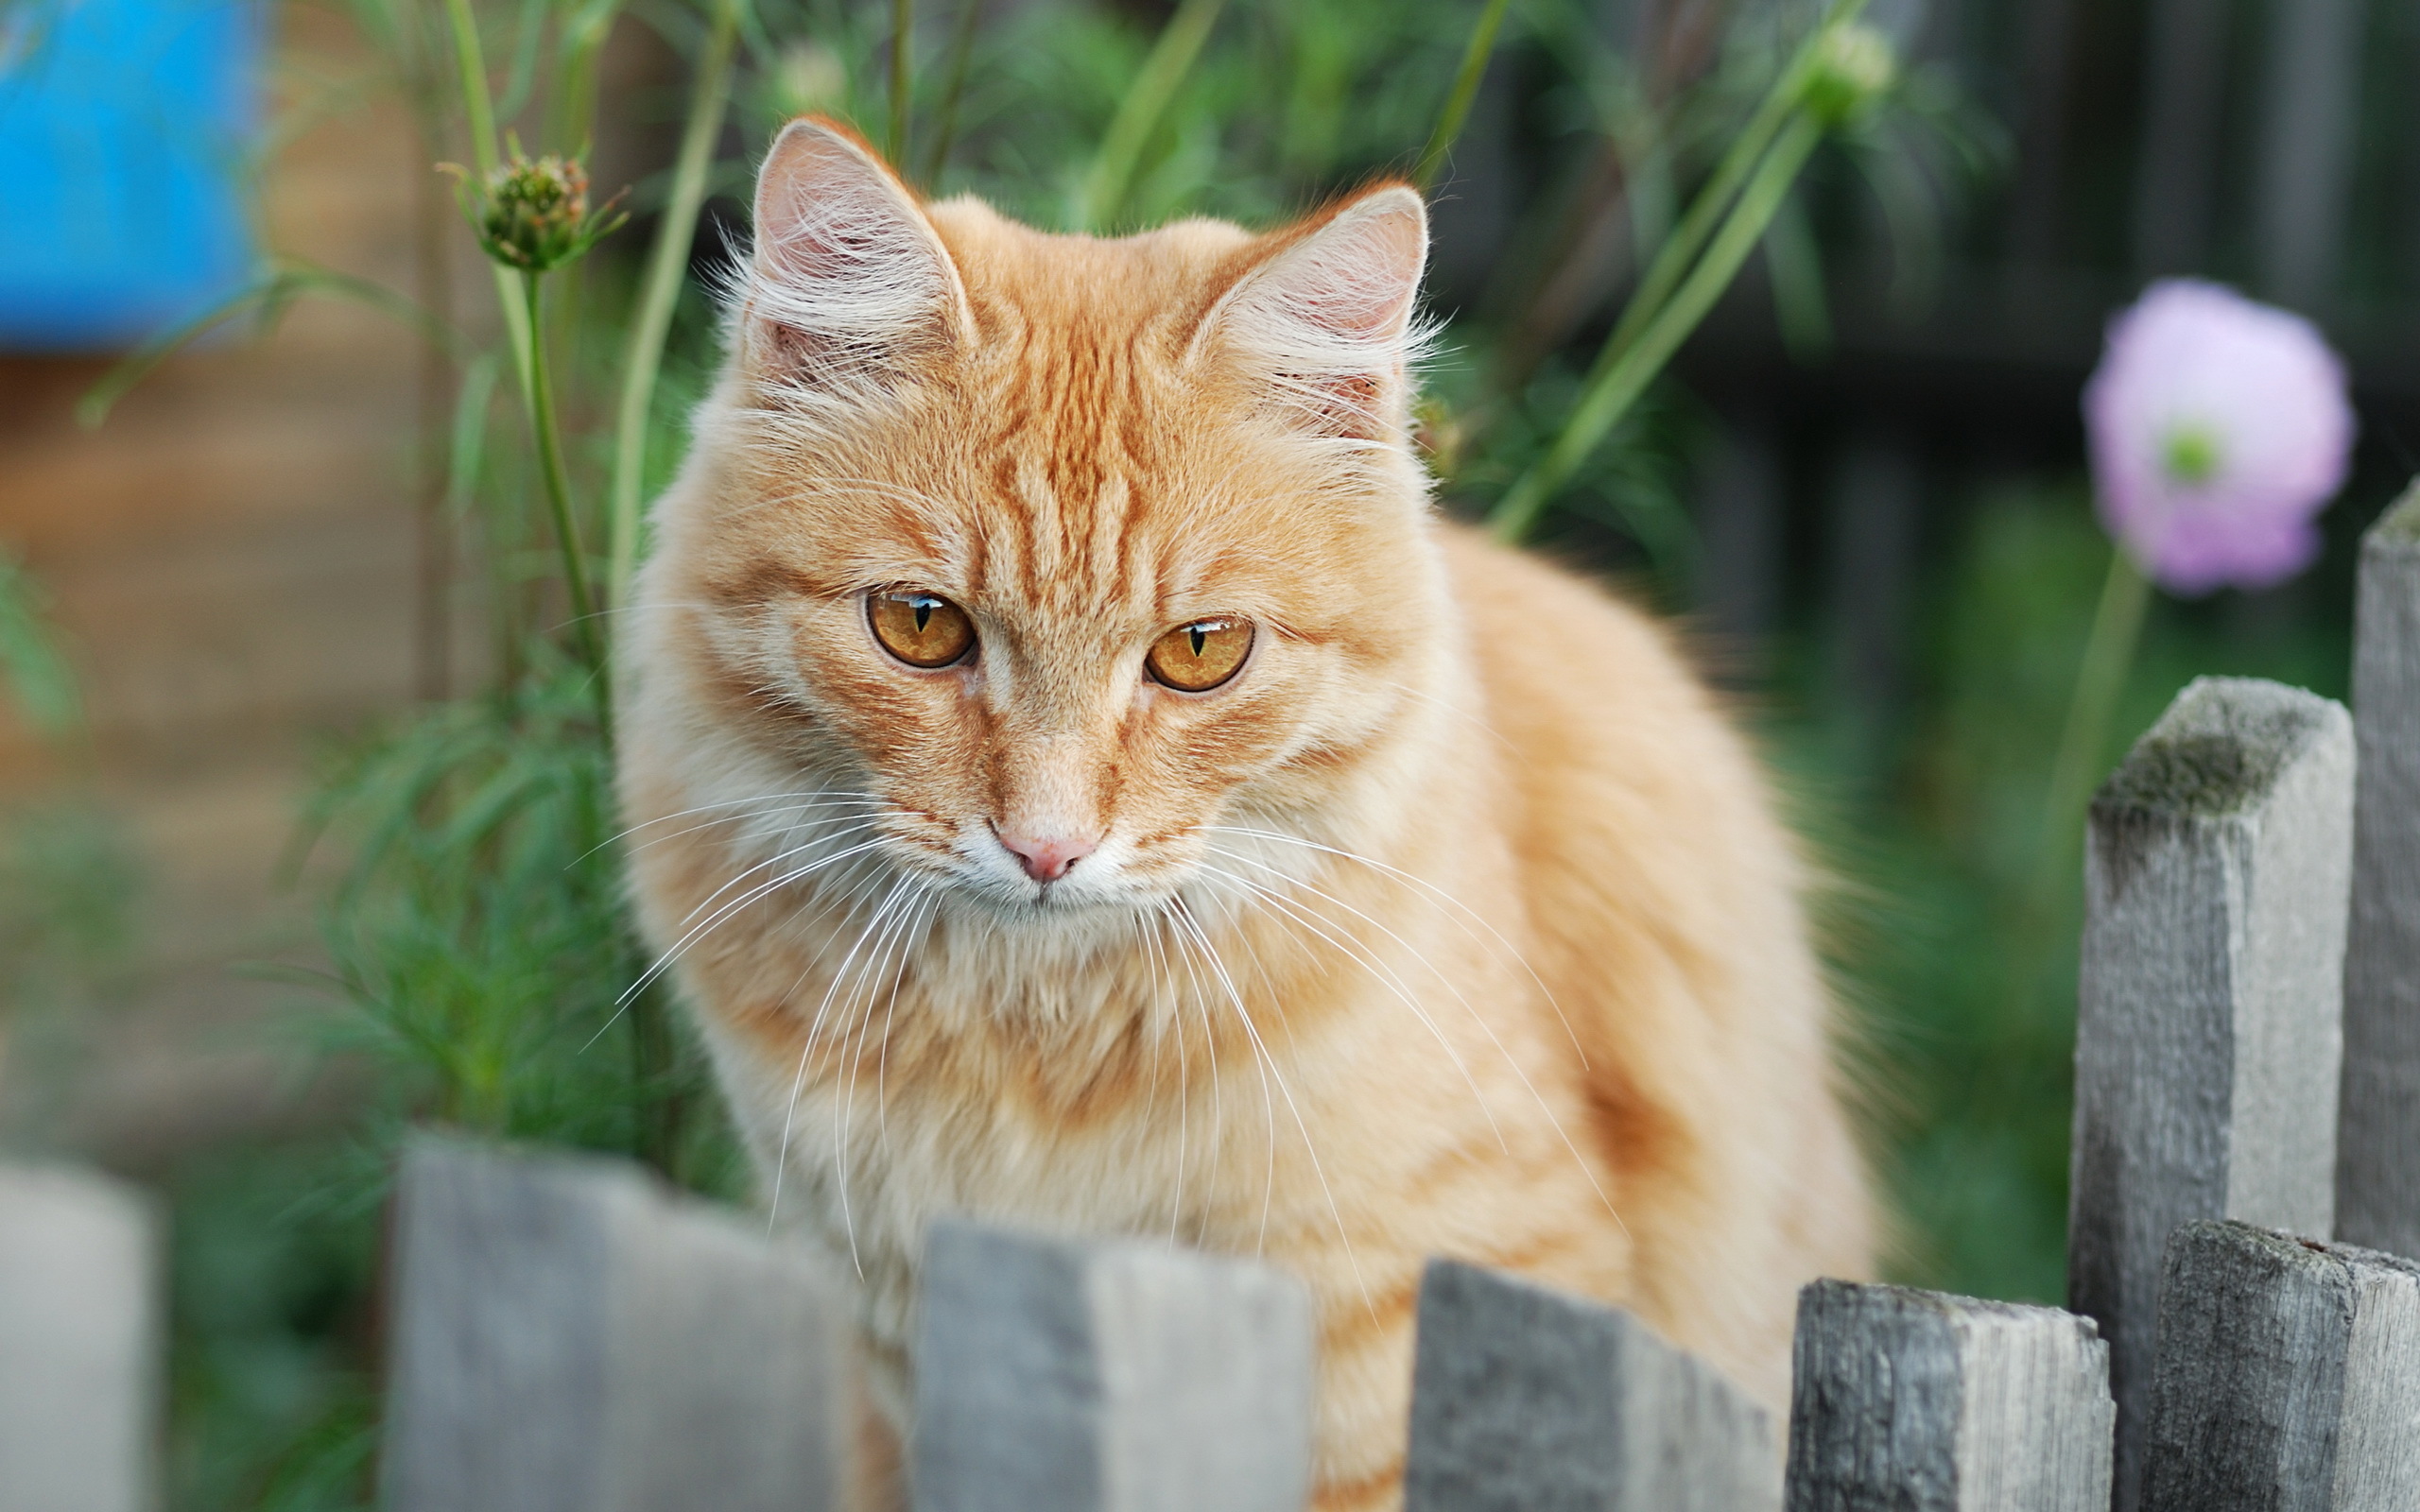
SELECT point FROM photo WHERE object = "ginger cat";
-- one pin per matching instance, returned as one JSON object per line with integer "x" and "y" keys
{"x": 1083, "y": 783}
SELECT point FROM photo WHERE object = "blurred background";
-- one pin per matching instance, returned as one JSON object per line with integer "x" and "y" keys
{"x": 277, "y": 628}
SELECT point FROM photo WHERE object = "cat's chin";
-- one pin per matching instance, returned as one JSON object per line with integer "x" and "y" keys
{"x": 1056, "y": 902}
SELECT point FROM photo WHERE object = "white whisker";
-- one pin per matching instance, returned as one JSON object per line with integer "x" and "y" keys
{"x": 1386, "y": 975}
{"x": 1269, "y": 1061}
{"x": 1434, "y": 891}
{"x": 798, "y": 1083}
{"x": 879, "y": 965}
{"x": 1511, "y": 1062}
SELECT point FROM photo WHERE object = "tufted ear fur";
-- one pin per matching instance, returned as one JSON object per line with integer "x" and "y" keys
{"x": 848, "y": 287}
{"x": 1327, "y": 320}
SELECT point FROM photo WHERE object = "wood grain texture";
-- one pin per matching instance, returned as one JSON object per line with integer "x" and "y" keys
{"x": 1918, "y": 1401}
{"x": 80, "y": 1343}
{"x": 2377, "y": 1169}
{"x": 2286, "y": 1378}
{"x": 568, "y": 1335}
{"x": 1056, "y": 1376}
{"x": 2208, "y": 1028}
{"x": 1525, "y": 1399}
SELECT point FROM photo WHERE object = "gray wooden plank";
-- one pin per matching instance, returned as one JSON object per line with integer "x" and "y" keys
{"x": 80, "y": 1343}
{"x": 1919, "y": 1402}
{"x": 2286, "y": 1378}
{"x": 569, "y": 1335}
{"x": 2378, "y": 1144}
{"x": 2208, "y": 1028}
{"x": 1059, "y": 1376}
{"x": 1525, "y": 1399}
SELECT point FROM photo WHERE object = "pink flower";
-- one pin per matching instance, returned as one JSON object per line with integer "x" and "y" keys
{"x": 2220, "y": 430}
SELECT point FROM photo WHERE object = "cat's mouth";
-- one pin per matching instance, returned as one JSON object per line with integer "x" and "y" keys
{"x": 1036, "y": 881}
{"x": 1031, "y": 873}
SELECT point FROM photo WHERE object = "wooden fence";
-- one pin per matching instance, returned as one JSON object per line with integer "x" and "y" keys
{"x": 567, "y": 1334}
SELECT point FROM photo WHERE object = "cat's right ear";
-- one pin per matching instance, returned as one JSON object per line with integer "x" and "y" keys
{"x": 848, "y": 287}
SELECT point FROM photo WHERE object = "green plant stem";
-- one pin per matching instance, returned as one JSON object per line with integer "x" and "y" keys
{"x": 281, "y": 280}
{"x": 544, "y": 430}
{"x": 903, "y": 37}
{"x": 1458, "y": 104}
{"x": 1622, "y": 374}
{"x": 478, "y": 115}
{"x": 961, "y": 52}
{"x": 1687, "y": 239}
{"x": 573, "y": 105}
{"x": 470, "y": 72}
{"x": 2101, "y": 678}
{"x": 1146, "y": 99}
{"x": 660, "y": 294}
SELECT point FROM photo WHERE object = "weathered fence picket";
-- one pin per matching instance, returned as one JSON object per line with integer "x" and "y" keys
{"x": 2377, "y": 1170}
{"x": 80, "y": 1343}
{"x": 1527, "y": 1401}
{"x": 2207, "y": 1045}
{"x": 1919, "y": 1402}
{"x": 2289, "y": 1377}
{"x": 569, "y": 1337}
{"x": 1058, "y": 1376}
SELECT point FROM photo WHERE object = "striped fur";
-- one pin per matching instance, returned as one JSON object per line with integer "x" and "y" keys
{"x": 1458, "y": 924}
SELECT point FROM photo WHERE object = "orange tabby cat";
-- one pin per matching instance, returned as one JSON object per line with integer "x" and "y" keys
{"x": 1083, "y": 784}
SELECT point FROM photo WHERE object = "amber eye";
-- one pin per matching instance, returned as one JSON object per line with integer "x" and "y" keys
{"x": 1196, "y": 657}
{"x": 921, "y": 629}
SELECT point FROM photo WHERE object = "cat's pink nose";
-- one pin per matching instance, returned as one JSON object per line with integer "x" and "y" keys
{"x": 1047, "y": 857}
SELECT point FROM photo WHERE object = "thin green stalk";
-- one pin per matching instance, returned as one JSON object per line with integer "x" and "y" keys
{"x": 478, "y": 114}
{"x": 2108, "y": 656}
{"x": 1687, "y": 239}
{"x": 573, "y": 107}
{"x": 1146, "y": 99}
{"x": 1615, "y": 386}
{"x": 544, "y": 430}
{"x": 1458, "y": 104}
{"x": 470, "y": 72}
{"x": 660, "y": 293}
{"x": 903, "y": 39}
{"x": 961, "y": 52}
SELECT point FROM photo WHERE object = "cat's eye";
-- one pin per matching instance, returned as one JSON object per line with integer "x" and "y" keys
{"x": 921, "y": 629}
{"x": 1196, "y": 657}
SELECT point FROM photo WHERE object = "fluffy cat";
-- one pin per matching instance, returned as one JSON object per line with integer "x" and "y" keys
{"x": 1082, "y": 783}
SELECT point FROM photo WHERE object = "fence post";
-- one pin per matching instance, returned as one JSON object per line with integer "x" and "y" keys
{"x": 79, "y": 1343}
{"x": 2377, "y": 1170}
{"x": 2208, "y": 1030}
{"x": 1919, "y": 1402}
{"x": 1056, "y": 1376}
{"x": 1527, "y": 1401}
{"x": 569, "y": 1337}
{"x": 2285, "y": 1380}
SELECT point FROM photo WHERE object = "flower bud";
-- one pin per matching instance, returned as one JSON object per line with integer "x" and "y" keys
{"x": 534, "y": 215}
{"x": 1855, "y": 65}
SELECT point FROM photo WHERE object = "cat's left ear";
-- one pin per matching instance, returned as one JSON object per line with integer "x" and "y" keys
{"x": 1327, "y": 320}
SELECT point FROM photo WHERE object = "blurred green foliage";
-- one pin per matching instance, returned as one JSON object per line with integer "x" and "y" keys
{"x": 1959, "y": 969}
{"x": 34, "y": 674}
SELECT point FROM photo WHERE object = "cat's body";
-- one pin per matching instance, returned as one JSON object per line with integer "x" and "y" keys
{"x": 1453, "y": 923}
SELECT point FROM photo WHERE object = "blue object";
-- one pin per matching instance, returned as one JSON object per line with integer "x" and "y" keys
{"x": 123, "y": 130}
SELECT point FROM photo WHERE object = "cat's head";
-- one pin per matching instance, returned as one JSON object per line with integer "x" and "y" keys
{"x": 1063, "y": 552}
